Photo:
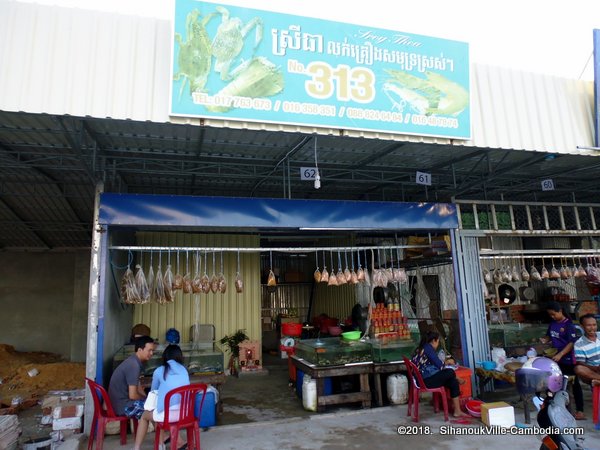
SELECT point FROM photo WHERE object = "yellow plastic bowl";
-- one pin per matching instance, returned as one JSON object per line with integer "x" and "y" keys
{"x": 351, "y": 335}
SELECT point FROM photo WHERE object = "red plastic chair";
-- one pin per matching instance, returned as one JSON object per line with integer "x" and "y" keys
{"x": 595, "y": 404}
{"x": 103, "y": 415}
{"x": 417, "y": 385}
{"x": 187, "y": 419}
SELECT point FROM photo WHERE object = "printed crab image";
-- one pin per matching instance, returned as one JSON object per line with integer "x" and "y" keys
{"x": 194, "y": 57}
{"x": 256, "y": 78}
{"x": 229, "y": 40}
{"x": 433, "y": 95}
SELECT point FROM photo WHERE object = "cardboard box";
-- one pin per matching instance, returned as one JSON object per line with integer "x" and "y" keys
{"x": 498, "y": 413}
{"x": 68, "y": 423}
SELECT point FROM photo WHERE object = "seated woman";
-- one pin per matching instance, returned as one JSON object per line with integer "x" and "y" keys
{"x": 433, "y": 372}
{"x": 170, "y": 375}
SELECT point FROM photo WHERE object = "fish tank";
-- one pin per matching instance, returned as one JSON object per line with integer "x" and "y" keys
{"x": 204, "y": 359}
{"x": 517, "y": 338}
{"x": 333, "y": 351}
{"x": 392, "y": 351}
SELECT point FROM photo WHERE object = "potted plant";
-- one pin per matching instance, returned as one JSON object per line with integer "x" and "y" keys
{"x": 233, "y": 342}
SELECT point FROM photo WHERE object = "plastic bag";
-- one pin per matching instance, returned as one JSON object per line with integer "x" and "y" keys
{"x": 499, "y": 357}
{"x": 271, "y": 281}
{"x": 317, "y": 275}
{"x": 159, "y": 288}
{"x": 168, "y": 285}
{"x": 239, "y": 284}
{"x": 222, "y": 283}
{"x": 177, "y": 282}
{"x": 129, "y": 291}
{"x": 142, "y": 285}
{"x": 188, "y": 284}
{"x": 324, "y": 275}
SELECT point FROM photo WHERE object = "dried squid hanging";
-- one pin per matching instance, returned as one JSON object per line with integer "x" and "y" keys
{"x": 535, "y": 275}
{"x": 524, "y": 274}
{"x": 239, "y": 283}
{"x": 554, "y": 273}
{"x": 367, "y": 276}
{"x": 129, "y": 291}
{"x": 580, "y": 273}
{"x": 544, "y": 273}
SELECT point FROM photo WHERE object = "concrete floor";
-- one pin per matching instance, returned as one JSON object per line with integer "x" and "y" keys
{"x": 263, "y": 412}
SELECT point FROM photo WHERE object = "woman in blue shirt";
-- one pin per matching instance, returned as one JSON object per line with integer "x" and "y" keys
{"x": 170, "y": 375}
{"x": 433, "y": 371}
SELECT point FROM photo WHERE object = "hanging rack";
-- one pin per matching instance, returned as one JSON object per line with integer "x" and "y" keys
{"x": 259, "y": 249}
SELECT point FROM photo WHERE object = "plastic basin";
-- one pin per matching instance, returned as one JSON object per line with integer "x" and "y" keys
{"x": 351, "y": 335}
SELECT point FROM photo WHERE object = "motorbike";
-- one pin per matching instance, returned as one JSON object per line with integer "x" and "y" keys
{"x": 542, "y": 375}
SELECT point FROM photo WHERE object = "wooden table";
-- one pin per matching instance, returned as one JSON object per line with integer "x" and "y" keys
{"x": 319, "y": 373}
{"x": 485, "y": 376}
{"x": 378, "y": 369}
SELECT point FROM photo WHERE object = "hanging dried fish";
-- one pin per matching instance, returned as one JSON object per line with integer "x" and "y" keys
{"x": 239, "y": 284}
{"x": 524, "y": 273}
{"x": 151, "y": 281}
{"x": 129, "y": 291}
{"x": 554, "y": 273}
{"x": 535, "y": 275}
{"x": 178, "y": 278}
{"x": 325, "y": 273}
{"x": 159, "y": 287}
{"x": 497, "y": 276}
{"x": 197, "y": 281}
{"x": 515, "y": 274}
{"x": 141, "y": 285}
{"x": 222, "y": 286}
{"x": 271, "y": 280}
{"x": 360, "y": 273}
{"x": 347, "y": 273}
{"x": 204, "y": 280}
{"x": 367, "y": 276}
{"x": 341, "y": 277}
{"x": 487, "y": 276}
{"x": 353, "y": 275}
{"x": 168, "y": 284}
{"x": 214, "y": 280}
{"x": 333, "y": 278}
{"x": 317, "y": 273}
{"x": 188, "y": 283}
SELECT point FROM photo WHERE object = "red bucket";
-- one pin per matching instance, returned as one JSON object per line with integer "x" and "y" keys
{"x": 291, "y": 329}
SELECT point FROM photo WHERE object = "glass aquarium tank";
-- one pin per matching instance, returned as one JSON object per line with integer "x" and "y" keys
{"x": 333, "y": 351}
{"x": 517, "y": 338}
{"x": 204, "y": 359}
{"x": 392, "y": 351}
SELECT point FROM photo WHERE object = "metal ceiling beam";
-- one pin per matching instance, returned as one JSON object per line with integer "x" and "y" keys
{"x": 22, "y": 221}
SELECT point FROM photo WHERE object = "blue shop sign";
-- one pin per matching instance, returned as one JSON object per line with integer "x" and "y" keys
{"x": 244, "y": 64}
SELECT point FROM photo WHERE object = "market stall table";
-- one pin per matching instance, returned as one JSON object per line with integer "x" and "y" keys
{"x": 319, "y": 373}
{"x": 486, "y": 376}
{"x": 385, "y": 368}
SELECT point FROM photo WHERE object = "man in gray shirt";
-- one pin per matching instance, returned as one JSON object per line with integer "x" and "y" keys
{"x": 125, "y": 391}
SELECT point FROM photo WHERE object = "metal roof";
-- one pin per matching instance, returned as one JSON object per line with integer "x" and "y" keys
{"x": 84, "y": 98}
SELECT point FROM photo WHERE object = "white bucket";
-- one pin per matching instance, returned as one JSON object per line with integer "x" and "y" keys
{"x": 44, "y": 443}
{"x": 309, "y": 393}
{"x": 397, "y": 389}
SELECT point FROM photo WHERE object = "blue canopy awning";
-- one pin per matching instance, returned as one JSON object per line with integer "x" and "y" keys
{"x": 141, "y": 210}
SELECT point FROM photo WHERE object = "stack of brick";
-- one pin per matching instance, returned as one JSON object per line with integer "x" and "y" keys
{"x": 64, "y": 411}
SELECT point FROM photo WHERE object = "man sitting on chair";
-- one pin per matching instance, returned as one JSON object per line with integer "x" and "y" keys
{"x": 587, "y": 351}
{"x": 125, "y": 391}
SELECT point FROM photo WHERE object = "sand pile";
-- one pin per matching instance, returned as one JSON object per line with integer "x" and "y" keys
{"x": 53, "y": 374}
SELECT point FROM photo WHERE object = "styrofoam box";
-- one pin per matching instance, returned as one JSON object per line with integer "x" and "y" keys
{"x": 498, "y": 413}
{"x": 68, "y": 423}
